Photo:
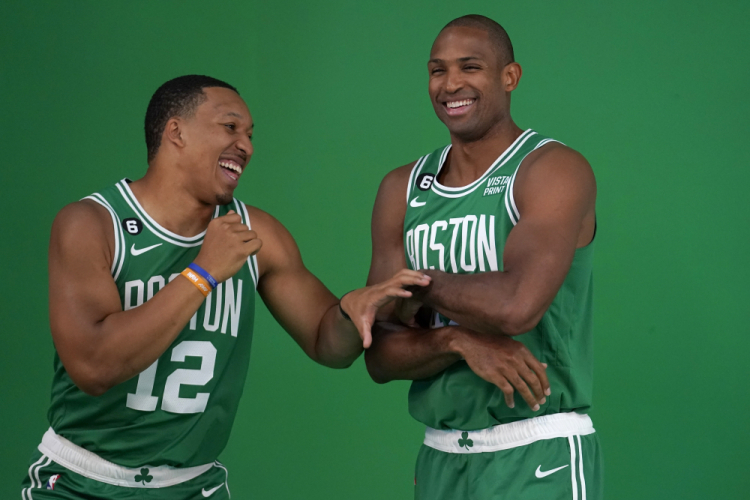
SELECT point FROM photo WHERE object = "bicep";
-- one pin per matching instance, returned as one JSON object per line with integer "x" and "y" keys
{"x": 388, "y": 226}
{"x": 294, "y": 296}
{"x": 556, "y": 197}
{"x": 82, "y": 291}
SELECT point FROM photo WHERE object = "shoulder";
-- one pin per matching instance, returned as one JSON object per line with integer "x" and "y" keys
{"x": 397, "y": 180}
{"x": 279, "y": 248}
{"x": 556, "y": 164}
{"x": 556, "y": 158}
{"x": 84, "y": 216}
{"x": 84, "y": 226}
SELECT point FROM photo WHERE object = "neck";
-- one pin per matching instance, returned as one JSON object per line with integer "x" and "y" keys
{"x": 166, "y": 196}
{"x": 468, "y": 160}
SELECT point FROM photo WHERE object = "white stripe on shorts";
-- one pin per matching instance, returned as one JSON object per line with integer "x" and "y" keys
{"x": 34, "y": 474}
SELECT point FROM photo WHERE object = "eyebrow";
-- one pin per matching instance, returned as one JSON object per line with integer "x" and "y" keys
{"x": 232, "y": 113}
{"x": 460, "y": 59}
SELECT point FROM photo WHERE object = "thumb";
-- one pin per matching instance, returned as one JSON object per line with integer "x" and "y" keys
{"x": 366, "y": 336}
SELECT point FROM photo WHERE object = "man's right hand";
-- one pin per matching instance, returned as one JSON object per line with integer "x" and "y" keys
{"x": 505, "y": 362}
{"x": 227, "y": 245}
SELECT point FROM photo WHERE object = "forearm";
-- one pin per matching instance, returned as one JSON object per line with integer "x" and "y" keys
{"x": 338, "y": 342}
{"x": 484, "y": 302}
{"x": 403, "y": 353}
{"x": 125, "y": 343}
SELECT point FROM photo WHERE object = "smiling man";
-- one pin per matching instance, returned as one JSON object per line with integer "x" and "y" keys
{"x": 499, "y": 344}
{"x": 152, "y": 301}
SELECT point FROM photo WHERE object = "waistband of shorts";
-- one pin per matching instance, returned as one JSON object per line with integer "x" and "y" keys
{"x": 511, "y": 435}
{"x": 92, "y": 466}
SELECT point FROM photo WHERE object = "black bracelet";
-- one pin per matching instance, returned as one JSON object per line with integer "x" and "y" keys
{"x": 341, "y": 309}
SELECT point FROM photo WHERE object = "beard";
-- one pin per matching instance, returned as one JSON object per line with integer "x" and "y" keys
{"x": 224, "y": 199}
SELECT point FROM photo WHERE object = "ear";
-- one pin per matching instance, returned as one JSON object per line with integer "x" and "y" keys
{"x": 173, "y": 133}
{"x": 511, "y": 76}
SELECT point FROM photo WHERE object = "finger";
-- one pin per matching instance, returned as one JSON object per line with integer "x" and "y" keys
{"x": 541, "y": 372}
{"x": 412, "y": 278}
{"x": 252, "y": 247}
{"x": 230, "y": 217}
{"x": 507, "y": 391}
{"x": 532, "y": 381}
{"x": 410, "y": 272}
{"x": 524, "y": 391}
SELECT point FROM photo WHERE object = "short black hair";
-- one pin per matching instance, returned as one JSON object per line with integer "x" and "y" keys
{"x": 497, "y": 34}
{"x": 177, "y": 97}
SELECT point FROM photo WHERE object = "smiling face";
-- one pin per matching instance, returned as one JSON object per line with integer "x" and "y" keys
{"x": 469, "y": 84}
{"x": 217, "y": 144}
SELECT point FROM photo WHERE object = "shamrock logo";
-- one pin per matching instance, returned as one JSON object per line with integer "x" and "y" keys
{"x": 465, "y": 441}
{"x": 143, "y": 477}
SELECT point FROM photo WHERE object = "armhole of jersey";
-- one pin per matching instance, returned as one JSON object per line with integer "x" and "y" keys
{"x": 413, "y": 176}
{"x": 252, "y": 261}
{"x": 510, "y": 201}
{"x": 120, "y": 250}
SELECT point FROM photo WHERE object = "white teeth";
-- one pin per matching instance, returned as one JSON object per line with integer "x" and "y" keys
{"x": 458, "y": 104}
{"x": 230, "y": 166}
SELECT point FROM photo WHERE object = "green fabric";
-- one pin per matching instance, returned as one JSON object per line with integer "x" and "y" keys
{"x": 71, "y": 486}
{"x": 511, "y": 474}
{"x": 464, "y": 230}
{"x": 180, "y": 411}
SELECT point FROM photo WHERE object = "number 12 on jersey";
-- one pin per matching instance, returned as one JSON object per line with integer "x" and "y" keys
{"x": 143, "y": 398}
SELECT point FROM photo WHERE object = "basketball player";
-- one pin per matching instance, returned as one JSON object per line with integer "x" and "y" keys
{"x": 503, "y": 221}
{"x": 152, "y": 301}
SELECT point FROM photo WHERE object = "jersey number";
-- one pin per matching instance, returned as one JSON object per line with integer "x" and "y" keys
{"x": 144, "y": 400}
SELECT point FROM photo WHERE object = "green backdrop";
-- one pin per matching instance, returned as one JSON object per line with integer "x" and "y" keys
{"x": 653, "y": 93}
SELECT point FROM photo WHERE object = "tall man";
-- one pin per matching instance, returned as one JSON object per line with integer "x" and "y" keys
{"x": 152, "y": 300}
{"x": 502, "y": 220}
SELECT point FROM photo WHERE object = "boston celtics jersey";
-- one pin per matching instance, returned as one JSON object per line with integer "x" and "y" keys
{"x": 178, "y": 411}
{"x": 463, "y": 230}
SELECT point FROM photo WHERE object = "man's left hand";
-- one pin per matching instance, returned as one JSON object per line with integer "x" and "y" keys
{"x": 362, "y": 305}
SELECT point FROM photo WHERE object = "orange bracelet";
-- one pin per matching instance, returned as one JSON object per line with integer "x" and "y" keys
{"x": 199, "y": 281}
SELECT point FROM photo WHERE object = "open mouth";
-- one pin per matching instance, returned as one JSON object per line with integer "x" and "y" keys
{"x": 231, "y": 168}
{"x": 455, "y": 108}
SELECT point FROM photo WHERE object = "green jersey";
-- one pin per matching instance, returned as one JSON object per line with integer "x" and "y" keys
{"x": 179, "y": 411}
{"x": 463, "y": 230}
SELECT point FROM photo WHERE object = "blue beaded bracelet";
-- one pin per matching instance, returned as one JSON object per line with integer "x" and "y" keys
{"x": 198, "y": 269}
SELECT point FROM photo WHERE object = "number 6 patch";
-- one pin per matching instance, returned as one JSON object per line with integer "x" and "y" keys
{"x": 132, "y": 226}
{"x": 424, "y": 181}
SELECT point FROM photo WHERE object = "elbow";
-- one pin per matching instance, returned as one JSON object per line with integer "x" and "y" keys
{"x": 376, "y": 374}
{"x": 518, "y": 319}
{"x": 90, "y": 380}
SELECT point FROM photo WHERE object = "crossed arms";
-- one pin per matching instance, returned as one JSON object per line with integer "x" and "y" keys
{"x": 555, "y": 192}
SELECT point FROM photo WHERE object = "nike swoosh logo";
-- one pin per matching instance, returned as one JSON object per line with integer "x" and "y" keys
{"x": 546, "y": 473}
{"x": 414, "y": 203}
{"x": 136, "y": 252}
{"x": 207, "y": 493}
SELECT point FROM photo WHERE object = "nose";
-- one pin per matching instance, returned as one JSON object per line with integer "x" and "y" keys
{"x": 245, "y": 145}
{"x": 453, "y": 81}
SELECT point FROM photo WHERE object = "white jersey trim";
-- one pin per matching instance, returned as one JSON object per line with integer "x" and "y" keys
{"x": 252, "y": 261}
{"x": 153, "y": 226}
{"x": 505, "y": 156}
{"x": 510, "y": 200}
{"x": 414, "y": 174}
{"x": 94, "y": 467}
{"x": 120, "y": 250}
{"x": 512, "y": 435}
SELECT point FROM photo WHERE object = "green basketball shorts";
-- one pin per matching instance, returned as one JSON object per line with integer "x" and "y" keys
{"x": 61, "y": 470}
{"x": 550, "y": 457}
